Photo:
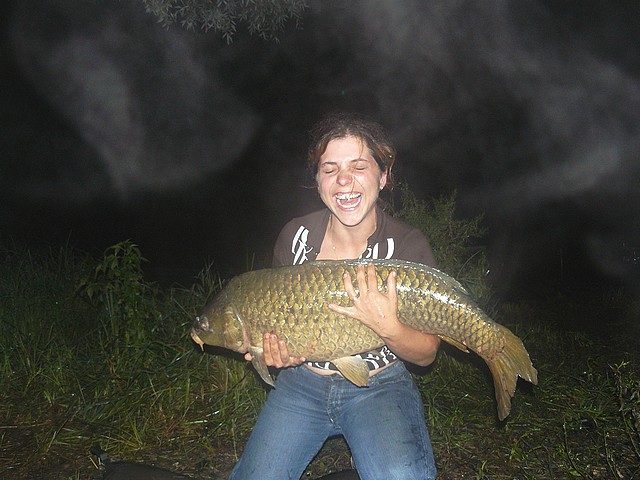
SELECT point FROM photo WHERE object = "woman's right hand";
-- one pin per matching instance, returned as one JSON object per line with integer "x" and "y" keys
{"x": 276, "y": 353}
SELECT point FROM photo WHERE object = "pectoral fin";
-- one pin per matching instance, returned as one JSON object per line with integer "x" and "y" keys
{"x": 260, "y": 365}
{"x": 455, "y": 343}
{"x": 354, "y": 369}
{"x": 196, "y": 339}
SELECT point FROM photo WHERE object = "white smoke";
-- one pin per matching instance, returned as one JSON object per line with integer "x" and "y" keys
{"x": 503, "y": 101}
{"x": 153, "y": 110}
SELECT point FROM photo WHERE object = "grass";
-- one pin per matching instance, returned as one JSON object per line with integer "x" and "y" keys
{"x": 92, "y": 353}
{"x": 76, "y": 370}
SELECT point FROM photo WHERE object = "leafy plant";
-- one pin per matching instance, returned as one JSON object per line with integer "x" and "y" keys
{"x": 117, "y": 285}
{"x": 263, "y": 17}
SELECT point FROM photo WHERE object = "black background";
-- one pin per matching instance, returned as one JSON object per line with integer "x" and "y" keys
{"x": 114, "y": 127}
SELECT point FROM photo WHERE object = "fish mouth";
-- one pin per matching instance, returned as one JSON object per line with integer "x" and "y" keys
{"x": 348, "y": 201}
{"x": 196, "y": 339}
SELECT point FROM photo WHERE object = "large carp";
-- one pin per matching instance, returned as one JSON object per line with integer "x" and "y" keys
{"x": 292, "y": 302}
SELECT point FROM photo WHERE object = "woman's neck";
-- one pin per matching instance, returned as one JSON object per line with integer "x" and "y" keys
{"x": 346, "y": 242}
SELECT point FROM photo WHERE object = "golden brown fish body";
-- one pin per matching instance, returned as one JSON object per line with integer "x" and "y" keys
{"x": 292, "y": 302}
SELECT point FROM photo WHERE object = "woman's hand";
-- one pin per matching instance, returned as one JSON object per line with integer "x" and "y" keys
{"x": 276, "y": 353}
{"x": 379, "y": 311}
{"x": 376, "y": 309}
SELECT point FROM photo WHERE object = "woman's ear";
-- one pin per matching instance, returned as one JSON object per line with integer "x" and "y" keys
{"x": 383, "y": 180}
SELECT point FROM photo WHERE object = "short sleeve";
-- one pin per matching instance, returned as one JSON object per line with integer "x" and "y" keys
{"x": 416, "y": 248}
{"x": 280, "y": 251}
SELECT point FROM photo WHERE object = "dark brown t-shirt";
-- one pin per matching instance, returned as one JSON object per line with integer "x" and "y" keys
{"x": 300, "y": 240}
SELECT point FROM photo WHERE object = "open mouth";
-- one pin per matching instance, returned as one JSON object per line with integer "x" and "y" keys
{"x": 348, "y": 200}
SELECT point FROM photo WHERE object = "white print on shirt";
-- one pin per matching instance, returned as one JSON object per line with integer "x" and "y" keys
{"x": 372, "y": 252}
{"x": 299, "y": 246}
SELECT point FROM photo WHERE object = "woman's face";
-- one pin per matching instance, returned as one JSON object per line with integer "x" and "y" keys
{"x": 349, "y": 180}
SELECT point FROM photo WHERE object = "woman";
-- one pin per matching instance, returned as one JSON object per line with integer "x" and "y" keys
{"x": 384, "y": 423}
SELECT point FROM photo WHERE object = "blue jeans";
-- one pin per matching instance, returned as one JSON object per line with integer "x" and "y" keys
{"x": 383, "y": 424}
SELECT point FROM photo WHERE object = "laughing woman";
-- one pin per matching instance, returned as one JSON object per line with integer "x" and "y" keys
{"x": 383, "y": 424}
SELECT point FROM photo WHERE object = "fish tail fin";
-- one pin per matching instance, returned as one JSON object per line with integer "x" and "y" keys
{"x": 506, "y": 367}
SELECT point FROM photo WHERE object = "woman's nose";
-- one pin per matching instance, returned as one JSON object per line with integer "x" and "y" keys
{"x": 344, "y": 177}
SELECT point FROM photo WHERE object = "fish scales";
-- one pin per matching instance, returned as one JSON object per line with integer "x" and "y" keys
{"x": 274, "y": 298}
{"x": 293, "y": 302}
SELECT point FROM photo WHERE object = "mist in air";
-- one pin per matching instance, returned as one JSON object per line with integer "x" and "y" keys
{"x": 118, "y": 128}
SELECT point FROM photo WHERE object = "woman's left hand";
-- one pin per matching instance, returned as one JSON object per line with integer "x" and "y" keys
{"x": 376, "y": 309}
{"x": 379, "y": 311}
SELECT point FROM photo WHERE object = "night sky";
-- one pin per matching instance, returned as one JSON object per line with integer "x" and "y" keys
{"x": 114, "y": 127}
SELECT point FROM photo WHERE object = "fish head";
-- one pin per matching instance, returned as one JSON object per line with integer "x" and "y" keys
{"x": 220, "y": 325}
